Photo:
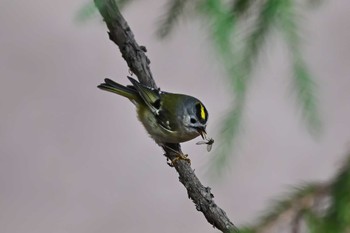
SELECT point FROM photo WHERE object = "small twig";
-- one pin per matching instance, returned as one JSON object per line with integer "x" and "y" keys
{"x": 121, "y": 34}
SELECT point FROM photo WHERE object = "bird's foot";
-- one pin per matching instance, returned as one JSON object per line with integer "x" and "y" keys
{"x": 179, "y": 157}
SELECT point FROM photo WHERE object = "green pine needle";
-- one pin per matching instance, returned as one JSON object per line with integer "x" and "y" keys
{"x": 305, "y": 88}
{"x": 339, "y": 213}
{"x": 313, "y": 222}
{"x": 239, "y": 60}
{"x": 333, "y": 218}
{"x": 284, "y": 205}
{"x": 230, "y": 130}
{"x": 88, "y": 10}
{"x": 281, "y": 206}
{"x": 240, "y": 7}
{"x": 246, "y": 230}
{"x": 303, "y": 83}
{"x": 174, "y": 10}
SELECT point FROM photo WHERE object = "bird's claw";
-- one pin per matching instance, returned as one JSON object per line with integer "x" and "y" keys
{"x": 179, "y": 157}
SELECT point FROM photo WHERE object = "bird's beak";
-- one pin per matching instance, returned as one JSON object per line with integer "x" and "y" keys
{"x": 202, "y": 132}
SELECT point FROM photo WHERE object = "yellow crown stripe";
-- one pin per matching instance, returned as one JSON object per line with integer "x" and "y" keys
{"x": 203, "y": 115}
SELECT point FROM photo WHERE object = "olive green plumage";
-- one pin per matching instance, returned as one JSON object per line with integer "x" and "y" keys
{"x": 167, "y": 117}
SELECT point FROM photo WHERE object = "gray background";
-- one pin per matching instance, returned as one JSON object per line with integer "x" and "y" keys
{"x": 75, "y": 159}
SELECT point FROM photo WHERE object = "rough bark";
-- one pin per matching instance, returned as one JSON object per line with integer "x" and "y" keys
{"x": 121, "y": 34}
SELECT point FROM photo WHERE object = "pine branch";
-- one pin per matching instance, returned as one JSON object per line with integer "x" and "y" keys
{"x": 303, "y": 82}
{"x": 173, "y": 13}
{"x": 321, "y": 208}
{"x": 121, "y": 34}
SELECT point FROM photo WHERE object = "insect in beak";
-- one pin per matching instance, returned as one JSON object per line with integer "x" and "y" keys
{"x": 208, "y": 141}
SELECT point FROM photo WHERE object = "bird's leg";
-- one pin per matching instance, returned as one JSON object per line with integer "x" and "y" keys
{"x": 180, "y": 156}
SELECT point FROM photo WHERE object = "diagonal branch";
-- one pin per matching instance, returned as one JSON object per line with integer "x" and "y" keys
{"x": 121, "y": 34}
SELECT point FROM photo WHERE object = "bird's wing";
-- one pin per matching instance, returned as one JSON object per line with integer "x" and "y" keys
{"x": 150, "y": 96}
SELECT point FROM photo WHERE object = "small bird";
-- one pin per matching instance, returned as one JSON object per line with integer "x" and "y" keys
{"x": 167, "y": 117}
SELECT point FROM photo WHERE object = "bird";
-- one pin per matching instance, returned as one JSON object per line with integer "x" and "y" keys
{"x": 169, "y": 118}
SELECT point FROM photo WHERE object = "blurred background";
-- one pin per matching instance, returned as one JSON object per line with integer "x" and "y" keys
{"x": 75, "y": 159}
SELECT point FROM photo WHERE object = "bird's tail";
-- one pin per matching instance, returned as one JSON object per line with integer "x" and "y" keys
{"x": 126, "y": 91}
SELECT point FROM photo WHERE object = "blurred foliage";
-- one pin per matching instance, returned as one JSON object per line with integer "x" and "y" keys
{"x": 304, "y": 85}
{"x": 174, "y": 9}
{"x": 239, "y": 30}
{"x": 323, "y": 207}
{"x": 89, "y": 11}
{"x": 337, "y": 218}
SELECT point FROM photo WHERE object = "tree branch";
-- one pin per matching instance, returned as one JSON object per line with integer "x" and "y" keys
{"x": 121, "y": 34}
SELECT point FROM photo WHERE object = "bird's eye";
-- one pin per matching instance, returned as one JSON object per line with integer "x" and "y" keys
{"x": 193, "y": 121}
